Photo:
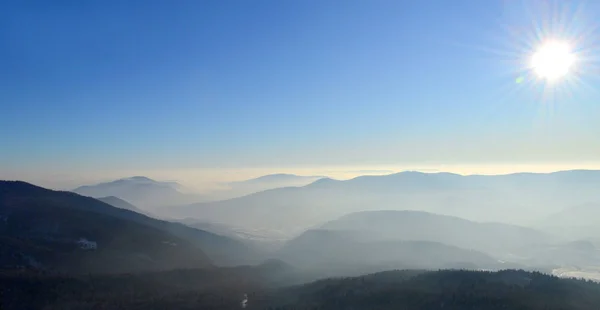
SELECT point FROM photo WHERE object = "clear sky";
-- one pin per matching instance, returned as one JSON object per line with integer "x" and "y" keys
{"x": 100, "y": 89}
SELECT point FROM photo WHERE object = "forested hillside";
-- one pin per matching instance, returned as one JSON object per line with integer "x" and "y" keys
{"x": 227, "y": 288}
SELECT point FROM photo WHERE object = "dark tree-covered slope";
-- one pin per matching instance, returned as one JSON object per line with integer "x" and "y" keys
{"x": 41, "y": 228}
{"x": 225, "y": 288}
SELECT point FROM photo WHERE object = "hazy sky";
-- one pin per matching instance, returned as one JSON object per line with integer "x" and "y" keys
{"x": 201, "y": 89}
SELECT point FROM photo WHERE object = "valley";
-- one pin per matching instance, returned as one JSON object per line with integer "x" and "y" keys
{"x": 47, "y": 234}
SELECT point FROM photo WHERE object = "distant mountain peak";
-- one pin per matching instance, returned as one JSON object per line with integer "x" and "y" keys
{"x": 280, "y": 177}
{"x": 134, "y": 179}
{"x": 416, "y": 172}
{"x": 323, "y": 181}
{"x": 138, "y": 179}
{"x": 139, "y": 190}
{"x": 277, "y": 175}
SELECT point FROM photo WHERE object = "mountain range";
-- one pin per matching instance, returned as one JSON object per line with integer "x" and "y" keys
{"x": 330, "y": 217}
{"x": 498, "y": 239}
{"x": 517, "y": 245}
{"x": 143, "y": 192}
{"x": 148, "y": 194}
{"x": 279, "y": 179}
{"x": 66, "y": 231}
{"x": 521, "y": 198}
{"x": 241, "y": 188}
{"x": 343, "y": 253}
{"x": 79, "y": 251}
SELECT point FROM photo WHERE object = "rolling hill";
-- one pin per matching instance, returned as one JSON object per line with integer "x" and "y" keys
{"x": 342, "y": 253}
{"x": 495, "y": 238}
{"x": 446, "y": 289}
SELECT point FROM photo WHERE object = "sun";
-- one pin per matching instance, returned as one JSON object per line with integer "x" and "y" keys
{"x": 553, "y": 60}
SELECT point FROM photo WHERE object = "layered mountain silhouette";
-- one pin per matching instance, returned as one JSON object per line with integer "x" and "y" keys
{"x": 266, "y": 182}
{"x": 143, "y": 192}
{"x": 516, "y": 198}
{"x": 383, "y": 240}
{"x": 65, "y": 231}
{"x": 577, "y": 222}
{"x": 352, "y": 253}
{"x": 494, "y": 238}
{"x": 120, "y": 203}
{"x": 279, "y": 178}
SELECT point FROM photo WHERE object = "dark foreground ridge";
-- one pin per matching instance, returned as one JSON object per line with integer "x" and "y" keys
{"x": 65, "y": 232}
{"x": 226, "y": 288}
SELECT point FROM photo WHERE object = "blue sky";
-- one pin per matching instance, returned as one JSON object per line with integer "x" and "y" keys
{"x": 140, "y": 85}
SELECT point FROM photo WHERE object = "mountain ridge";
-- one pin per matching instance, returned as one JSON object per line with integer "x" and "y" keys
{"x": 450, "y": 230}
{"x": 220, "y": 249}
{"x": 512, "y": 198}
{"x": 143, "y": 192}
{"x": 65, "y": 232}
{"x": 345, "y": 252}
{"x": 120, "y": 203}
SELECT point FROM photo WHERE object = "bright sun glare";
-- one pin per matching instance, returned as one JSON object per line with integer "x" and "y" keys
{"x": 553, "y": 60}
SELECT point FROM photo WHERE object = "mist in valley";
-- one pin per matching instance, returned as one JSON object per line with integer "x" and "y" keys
{"x": 300, "y": 155}
{"x": 407, "y": 220}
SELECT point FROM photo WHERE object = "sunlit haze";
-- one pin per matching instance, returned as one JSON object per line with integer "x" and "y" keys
{"x": 300, "y": 154}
